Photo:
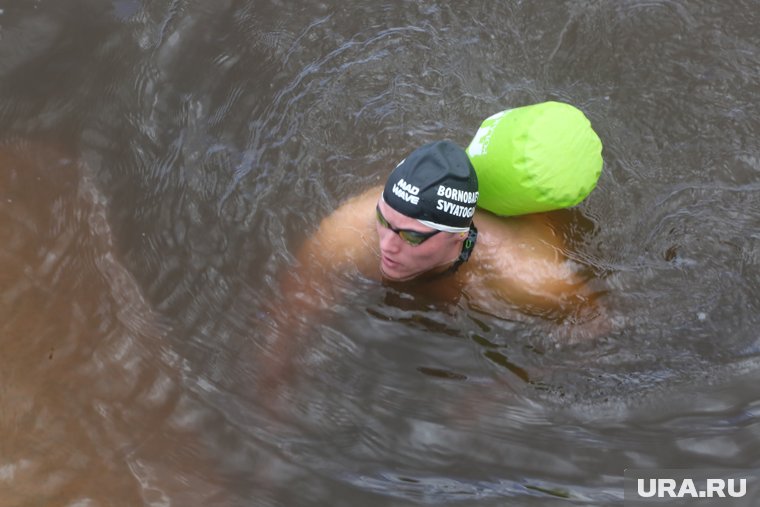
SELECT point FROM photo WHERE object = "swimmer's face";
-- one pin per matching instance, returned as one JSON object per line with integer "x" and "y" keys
{"x": 401, "y": 261}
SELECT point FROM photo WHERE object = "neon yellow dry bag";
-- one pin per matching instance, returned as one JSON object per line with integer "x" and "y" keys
{"x": 535, "y": 158}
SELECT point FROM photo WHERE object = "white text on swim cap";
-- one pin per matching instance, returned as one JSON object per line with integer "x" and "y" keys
{"x": 407, "y": 192}
{"x": 455, "y": 209}
{"x": 457, "y": 195}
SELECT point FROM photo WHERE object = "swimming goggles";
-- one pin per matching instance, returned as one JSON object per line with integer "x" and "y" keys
{"x": 414, "y": 238}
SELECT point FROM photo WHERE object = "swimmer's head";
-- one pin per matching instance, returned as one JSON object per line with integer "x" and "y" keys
{"x": 436, "y": 185}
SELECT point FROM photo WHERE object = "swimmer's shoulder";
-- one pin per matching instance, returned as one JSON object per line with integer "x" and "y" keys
{"x": 357, "y": 211}
{"x": 499, "y": 232}
{"x": 508, "y": 245}
{"x": 522, "y": 259}
{"x": 364, "y": 201}
{"x": 347, "y": 236}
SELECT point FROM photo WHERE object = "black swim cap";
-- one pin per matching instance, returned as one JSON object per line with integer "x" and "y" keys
{"x": 437, "y": 185}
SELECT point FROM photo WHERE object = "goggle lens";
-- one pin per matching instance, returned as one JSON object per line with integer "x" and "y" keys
{"x": 414, "y": 238}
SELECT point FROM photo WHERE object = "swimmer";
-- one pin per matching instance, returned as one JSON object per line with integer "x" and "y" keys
{"x": 422, "y": 231}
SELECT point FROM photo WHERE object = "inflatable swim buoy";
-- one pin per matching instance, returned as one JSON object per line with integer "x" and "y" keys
{"x": 535, "y": 158}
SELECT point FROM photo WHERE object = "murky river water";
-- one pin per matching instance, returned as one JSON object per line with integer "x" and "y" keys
{"x": 161, "y": 162}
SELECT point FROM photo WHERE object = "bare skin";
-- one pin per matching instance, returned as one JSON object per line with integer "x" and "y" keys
{"x": 516, "y": 260}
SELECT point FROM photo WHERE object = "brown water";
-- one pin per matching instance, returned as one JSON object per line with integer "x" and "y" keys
{"x": 161, "y": 161}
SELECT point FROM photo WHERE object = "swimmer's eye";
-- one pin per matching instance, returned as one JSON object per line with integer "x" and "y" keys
{"x": 412, "y": 237}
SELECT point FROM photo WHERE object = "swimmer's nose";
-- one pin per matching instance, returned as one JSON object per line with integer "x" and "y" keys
{"x": 390, "y": 242}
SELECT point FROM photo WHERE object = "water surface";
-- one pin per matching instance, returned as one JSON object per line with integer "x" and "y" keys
{"x": 162, "y": 161}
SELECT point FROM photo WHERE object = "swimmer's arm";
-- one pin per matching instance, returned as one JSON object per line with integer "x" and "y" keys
{"x": 346, "y": 239}
{"x": 342, "y": 243}
{"x": 539, "y": 285}
{"x": 534, "y": 274}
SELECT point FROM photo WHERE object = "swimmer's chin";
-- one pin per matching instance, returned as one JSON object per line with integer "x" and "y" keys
{"x": 414, "y": 276}
{"x": 392, "y": 278}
